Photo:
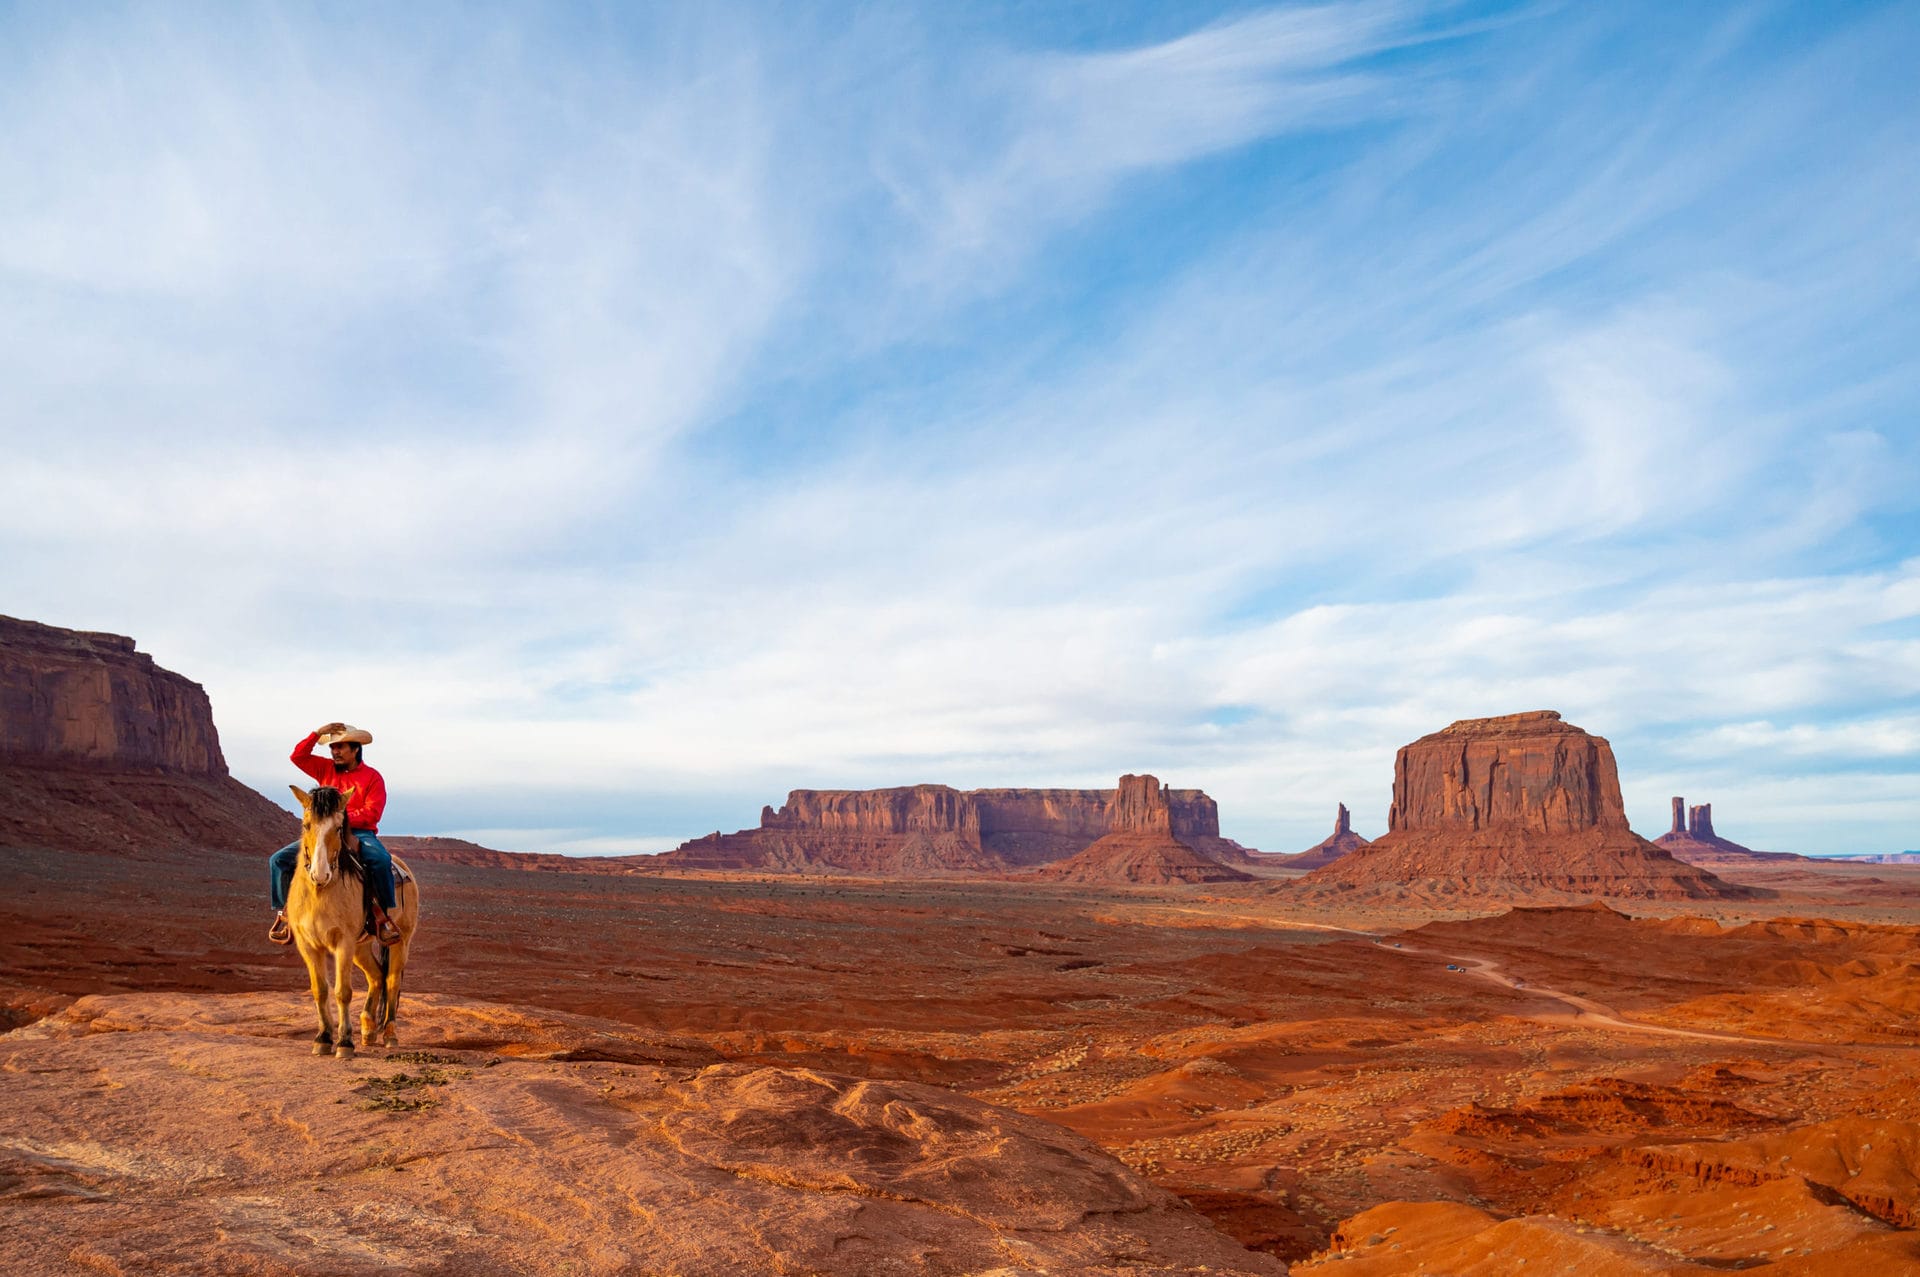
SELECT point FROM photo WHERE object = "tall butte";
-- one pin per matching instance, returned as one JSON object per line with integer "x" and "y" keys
{"x": 102, "y": 750}
{"x": 1516, "y": 808}
{"x": 1139, "y": 846}
{"x": 1692, "y": 839}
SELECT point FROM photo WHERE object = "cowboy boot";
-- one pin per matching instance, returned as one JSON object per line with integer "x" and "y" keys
{"x": 384, "y": 929}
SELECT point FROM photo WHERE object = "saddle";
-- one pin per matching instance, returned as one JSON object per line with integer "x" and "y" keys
{"x": 352, "y": 862}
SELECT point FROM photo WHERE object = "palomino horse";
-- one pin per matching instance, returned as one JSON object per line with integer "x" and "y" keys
{"x": 327, "y": 915}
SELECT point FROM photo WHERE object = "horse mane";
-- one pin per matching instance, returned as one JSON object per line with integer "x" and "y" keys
{"x": 328, "y": 802}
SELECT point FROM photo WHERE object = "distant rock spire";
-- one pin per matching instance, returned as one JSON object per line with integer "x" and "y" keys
{"x": 1679, "y": 816}
{"x": 1344, "y": 823}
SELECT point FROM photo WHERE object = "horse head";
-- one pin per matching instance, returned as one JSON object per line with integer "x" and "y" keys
{"x": 323, "y": 822}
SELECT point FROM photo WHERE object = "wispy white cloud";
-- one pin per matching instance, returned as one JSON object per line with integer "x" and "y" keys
{"x": 1067, "y": 128}
{"x": 1536, "y": 390}
{"x": 1897, "y": 736}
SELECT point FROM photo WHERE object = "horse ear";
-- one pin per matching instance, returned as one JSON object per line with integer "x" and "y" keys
{"x": 306, "y": 802}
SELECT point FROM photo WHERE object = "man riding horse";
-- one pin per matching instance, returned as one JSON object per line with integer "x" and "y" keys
{"x": 366, "y": 795}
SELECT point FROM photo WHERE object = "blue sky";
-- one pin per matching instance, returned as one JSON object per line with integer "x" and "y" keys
{"x": 632, "y": 415}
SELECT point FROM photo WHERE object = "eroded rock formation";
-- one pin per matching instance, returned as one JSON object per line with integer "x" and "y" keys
{"x": 932, "y": 829}
{"x": 1519, "y": 807}
{"x": 102, "y": 750}
{"x": 1329, "y": 849}
{"x": 1692, "y": 839}
{"x": 222, "y": 1146}
{"x": 1140, "y": 847}
{"x": 73, "y": 696}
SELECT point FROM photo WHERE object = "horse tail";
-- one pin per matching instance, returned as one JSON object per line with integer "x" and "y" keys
{"x": 386, "y": 1000}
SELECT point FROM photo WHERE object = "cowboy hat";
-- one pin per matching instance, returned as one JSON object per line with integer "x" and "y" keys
{"x": 347, "y": 735}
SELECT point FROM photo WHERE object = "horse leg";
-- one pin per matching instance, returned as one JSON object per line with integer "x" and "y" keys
{"x": 343, "y": 994}
{"x": 373, "y": 1013}
{"x": 396, "y": 967}
{"x": 317, "y": 981}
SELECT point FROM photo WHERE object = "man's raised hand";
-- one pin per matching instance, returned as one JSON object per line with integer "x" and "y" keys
{"x": 330, "y": 727}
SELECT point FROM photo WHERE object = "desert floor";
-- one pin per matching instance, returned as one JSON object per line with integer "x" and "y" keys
{"x": 1675, "y": 1088}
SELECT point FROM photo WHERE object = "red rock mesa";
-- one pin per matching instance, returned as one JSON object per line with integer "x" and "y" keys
{"x": 1140, "y": 846}
{"x": 924, "y": 830}
{"x": 101, "y": 750}
{"x": 1519, "y": 807}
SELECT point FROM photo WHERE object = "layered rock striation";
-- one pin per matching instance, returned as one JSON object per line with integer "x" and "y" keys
{"x": 1520, "y": 807}
{"x": 917, "y": 830}
{"x": 103, "y": 750}
{"x": 1692, "y": 839}
{"x": 523, "y": 1141}
{"x": 1140, "y": 847}
{"x": 79, "y": 697}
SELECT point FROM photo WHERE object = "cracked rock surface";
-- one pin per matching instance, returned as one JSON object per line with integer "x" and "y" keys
{"x": 176, "y": 1133}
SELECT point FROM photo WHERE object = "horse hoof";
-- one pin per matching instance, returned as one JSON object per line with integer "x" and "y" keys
{"x": 345, "y": 1053}
{"x": 323, "y": 1048}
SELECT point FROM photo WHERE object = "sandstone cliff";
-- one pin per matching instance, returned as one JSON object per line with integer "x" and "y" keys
{"x": 102, "y": 750}
{"x": 1692, "y": 839}
{"x": 935, "y": 829}
{"x": 71, "y": 696}
{"x": 1520, "y": 807}
{"x": 1140, "y": 847}
{"x": 522, "y": 1141}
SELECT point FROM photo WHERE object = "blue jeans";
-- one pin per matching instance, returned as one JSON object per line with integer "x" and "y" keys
{"x": 282, "y": 863}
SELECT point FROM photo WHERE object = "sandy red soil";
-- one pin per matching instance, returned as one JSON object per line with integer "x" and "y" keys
{"x": 1594, "y": 1092}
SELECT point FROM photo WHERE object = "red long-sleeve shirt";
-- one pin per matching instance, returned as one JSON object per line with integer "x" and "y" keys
{"x": 364, "y": 790}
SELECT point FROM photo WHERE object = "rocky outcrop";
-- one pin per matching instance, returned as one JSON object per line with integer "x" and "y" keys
{"x": 1329, "y": 849}
{"x": 1140, "y": 806}
{"x": 924, "y": 809}
{"x": 221, "y": 1145}
{"x": 1692, "y": 839}
{"x": 935, "y": 829}
{"x": 1522, "y": 772}
{"x": 73, "y": 696}
{"x": 102, "y": 750}
{"x": 819, "y": 851}
{"x": 1140, "y": 847}
{"x": 1034, "y": 826}
{"x": 1516, "y": 808}
{"x": 1872, "y": 1162}
{"x": 907, "y": 831}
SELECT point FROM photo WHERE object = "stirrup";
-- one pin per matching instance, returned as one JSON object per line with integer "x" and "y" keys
{"x": 386, "y": 930}
{"x": 280, "y": 932}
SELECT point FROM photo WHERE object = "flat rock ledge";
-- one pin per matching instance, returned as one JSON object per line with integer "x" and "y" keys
{"x": 172, "y": 1133}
